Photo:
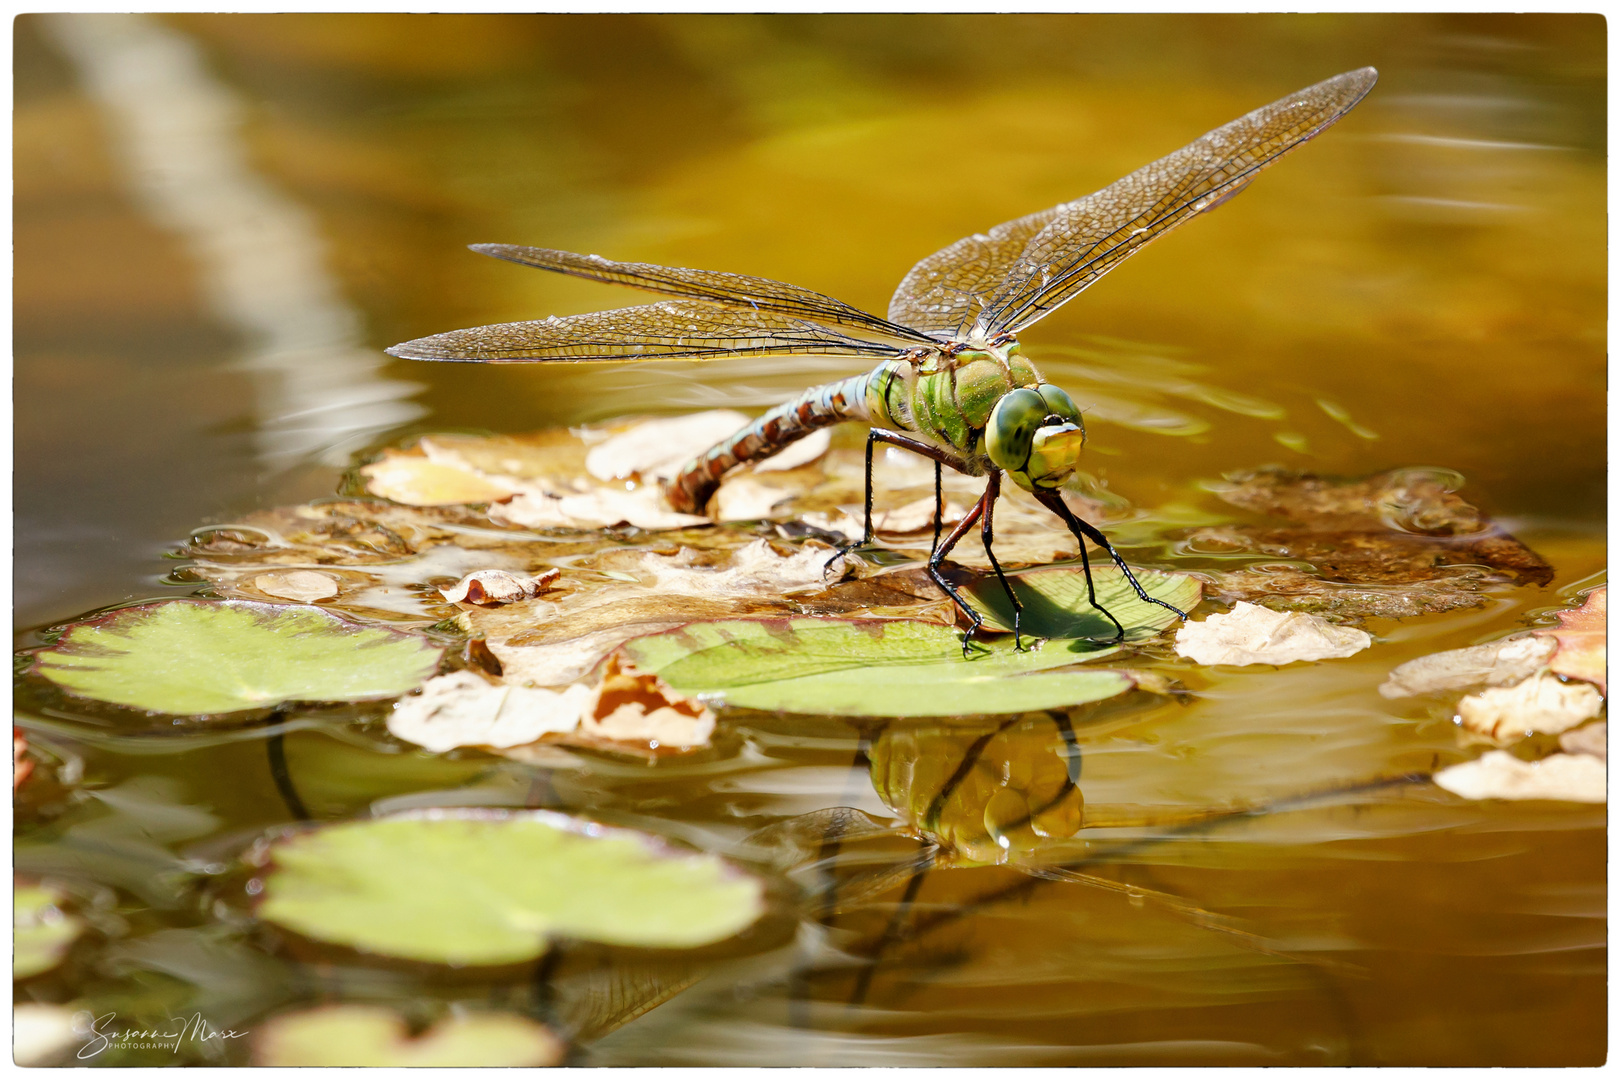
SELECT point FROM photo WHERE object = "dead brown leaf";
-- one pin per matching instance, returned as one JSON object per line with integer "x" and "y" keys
{"x": 1541, "y": 703}
{"x": 1500, "y": 775}
{"x": 1582, "y": 639}
{"x": 634, "y": 706}
{"x": 1496, "y": 663}
{"x": 463, "y": 709}
{"x": 305, "y": 586}
{"x": 491, "y": 588}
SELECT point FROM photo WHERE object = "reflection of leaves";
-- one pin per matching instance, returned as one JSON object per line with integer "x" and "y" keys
{"x": 370, "y": 1035}
{"x": 192, "y": 658}
{"x": 1254, "y": 635}
{"x": 482, "y": 887}
{"x": 1582, "y": 639}
{"x": 41, "y": 931}
{"x": 869, "y": 667}
{"x": 1056, "y": 605}
{"x": 1397, "y": 544}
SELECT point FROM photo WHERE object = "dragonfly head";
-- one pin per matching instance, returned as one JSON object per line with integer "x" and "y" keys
{"x": 1035, "y": 433}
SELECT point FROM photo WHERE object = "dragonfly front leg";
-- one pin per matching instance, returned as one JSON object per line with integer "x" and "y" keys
{"x": 938, "y": 557}
{"x": 1082, "y": 531}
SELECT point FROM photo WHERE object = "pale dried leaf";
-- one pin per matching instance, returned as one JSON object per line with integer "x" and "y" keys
{"x": 743, "y": 498}
{"x": 1500, "y": 775}
{"x": 416, "y": 481}
{"x": 1249, "y": 634}
{"x": 1583, "y": 640}
{"x": 803, "y": 452}
{"x": 914, "y": 516}
{"x": 1496, "y": 663}
{"x": 1592, "y": 739}
{"x": 841, "y": 523}
{"x": 1540, "y": 703}
{"x": 599, "y": 508}
{"x": 303, "y": 586}
{"x": 491, "y": 588}
{"x": 462, "y": 709}
{"x": 633, "y": 706}
{"x": 657, "y": 449}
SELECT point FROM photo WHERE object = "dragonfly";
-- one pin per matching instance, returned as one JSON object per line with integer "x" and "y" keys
{"x": 951, "y": 381}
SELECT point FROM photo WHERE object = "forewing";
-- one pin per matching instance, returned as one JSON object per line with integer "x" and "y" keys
{"x": 729, "y": 290}
{"x": 1089, "y": 237}
{"x": 671, "y": 330}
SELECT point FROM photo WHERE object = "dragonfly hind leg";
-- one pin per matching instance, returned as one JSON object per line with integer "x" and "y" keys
{"x": 1083, "y": 531}
{"x": 916, "y": 446}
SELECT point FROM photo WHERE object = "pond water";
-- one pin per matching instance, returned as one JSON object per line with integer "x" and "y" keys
{"x": 220, "y": 221}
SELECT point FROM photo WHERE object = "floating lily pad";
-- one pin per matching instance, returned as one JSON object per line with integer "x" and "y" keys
{"x": 1056, "y": 604}
{"x": 189, "y": 658}
{"x": 870, "y": 667}
{"x": 484, "y": 887}
{"x": 338, "y": 1036}
{"x": 42, "y": 932}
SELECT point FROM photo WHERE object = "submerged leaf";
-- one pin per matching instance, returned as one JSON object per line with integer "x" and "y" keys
{"x": 1583, "y": 640}
{"x": 1540, "y": 703}
{"x": 1394, "y": 545}
{"x": 362, "y": 1036}
{"x": 42, "y": 932}
{"x": 1056, "y": 605}
{"x": 300, "y": 585}
{"x": 1495, "y": 663}
{"x": 1500, "y": 775}
{"x": 483, "y": 887}
{"x": 657, "y": 449}
{"x": 189, "y": 657}
{"x": 1254, "y": 635}
{"x": 869, "y": 667}
{"x": 415, "y": 481}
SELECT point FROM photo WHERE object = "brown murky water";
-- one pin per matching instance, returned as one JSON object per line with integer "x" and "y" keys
{"x": 1422, "y": 286}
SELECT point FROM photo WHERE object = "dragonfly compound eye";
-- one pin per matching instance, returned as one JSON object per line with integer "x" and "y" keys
{"x": 1009, "y": 434}
{"x": 1060, "y": 404}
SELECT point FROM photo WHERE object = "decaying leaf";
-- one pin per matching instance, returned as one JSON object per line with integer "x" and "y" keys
{"x": 1592, "y": 739}
{"x": 1500, "y": 775}
{"x": 462, "y": 709}
{"x": 304, "y": 586}
{"x": 657, "y": 449}
{"x": 1495, "y": 663}
{"x": 915, "y": 516}
{"x": 1394, "y": 545}
{"x": 745, "y": 498}
{"x": 1255, "y": 635}
{"x": 415, "y": 481}
{"x": 1540, "y": 703}
{"x": 600, "y": 508}
{"x": 491, "y": 588}
{"x": 635, "y": 706}
{"x": 1583, "y": 640}
{"x": 360, "y": 1036}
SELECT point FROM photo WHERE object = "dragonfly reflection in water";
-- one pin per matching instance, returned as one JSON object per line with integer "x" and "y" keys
{"x": 952, "y": 383}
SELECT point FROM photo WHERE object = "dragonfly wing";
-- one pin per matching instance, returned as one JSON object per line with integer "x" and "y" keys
{"x": 945, "y": 293}
{"x": 1085, "y": 239}
{"x": 671, "y": 330}
{"x": 730, "y": 290}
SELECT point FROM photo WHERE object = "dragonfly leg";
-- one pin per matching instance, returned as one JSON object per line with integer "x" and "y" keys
{"x": 1082, "y": 531}
{"x": 939, "y": 504}
{"x": 916, "y": 446}
{"x": 991, "y": 492}
{"x": 938, "y": 557}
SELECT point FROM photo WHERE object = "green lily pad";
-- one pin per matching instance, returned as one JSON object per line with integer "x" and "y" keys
{"x": 193, "y": 657}
{"x": 1056, "y": 605}
{"x": 346, "y": 1036}
{"x": 484, "y": 887}
{"x": 870, "y": 667}
{"x": 42, "y": 932}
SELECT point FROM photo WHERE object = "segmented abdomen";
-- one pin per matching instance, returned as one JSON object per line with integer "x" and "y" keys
{"x": 816, "y": 408}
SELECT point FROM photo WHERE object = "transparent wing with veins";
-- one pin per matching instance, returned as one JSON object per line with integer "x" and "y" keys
{"x": 670, "y": 330}
{"x": 1022, "y": 270}
{"x": 727, "y": 290}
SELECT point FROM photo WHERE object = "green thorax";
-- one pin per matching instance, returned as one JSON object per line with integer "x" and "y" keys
{"x": 947, "y": 399}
